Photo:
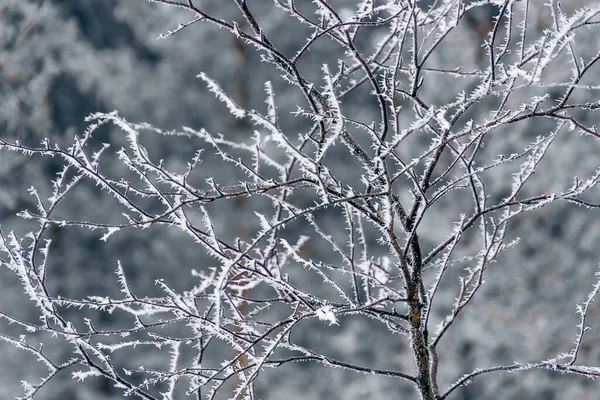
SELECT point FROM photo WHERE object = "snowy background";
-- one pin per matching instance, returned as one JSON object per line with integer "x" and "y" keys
{"x": 64, "y": 59}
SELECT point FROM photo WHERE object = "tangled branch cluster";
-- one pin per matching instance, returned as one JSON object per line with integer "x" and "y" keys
{"x": 419, "y": 153}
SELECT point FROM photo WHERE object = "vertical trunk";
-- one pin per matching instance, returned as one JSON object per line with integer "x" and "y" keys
{"x": 416, "y": 293}
{"x": 421, "y": 353}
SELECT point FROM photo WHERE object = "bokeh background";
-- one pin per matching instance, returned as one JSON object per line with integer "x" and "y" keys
{"x": 64, "y": 59}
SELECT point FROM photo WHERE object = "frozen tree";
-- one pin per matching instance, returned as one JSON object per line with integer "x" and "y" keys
{"x": 386, "y": 186}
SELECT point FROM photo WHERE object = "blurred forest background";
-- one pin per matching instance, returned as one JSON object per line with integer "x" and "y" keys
{"x": 61, "y": 60}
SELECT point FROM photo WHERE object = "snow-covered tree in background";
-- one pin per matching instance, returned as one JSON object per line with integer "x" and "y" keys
{"x": 397, "y": 175}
